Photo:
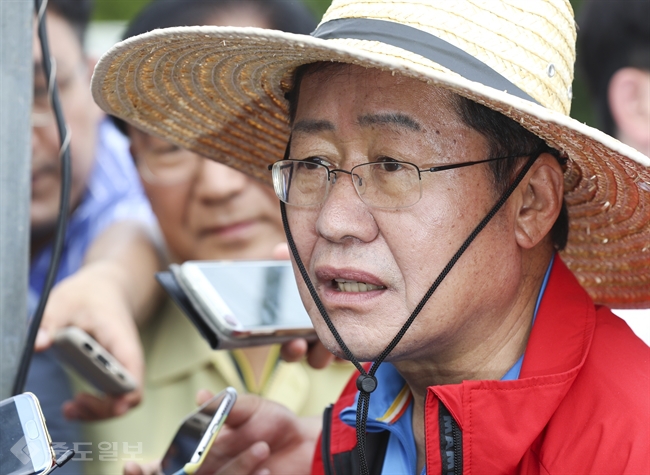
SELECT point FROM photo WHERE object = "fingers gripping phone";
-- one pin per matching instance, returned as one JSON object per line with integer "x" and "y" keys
{"x": 196, "y": 435}
{"x": 25, "y": 445}
{"x": 246, "y": 303}
{"x": 81, "y": 352}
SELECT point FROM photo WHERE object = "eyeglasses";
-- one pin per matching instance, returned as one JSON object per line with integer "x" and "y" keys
{"x": 385, "y": 184}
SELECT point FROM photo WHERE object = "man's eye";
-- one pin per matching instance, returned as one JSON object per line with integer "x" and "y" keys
{"x": 312, "y": 163}
{"x": 166, "y": 149}
{"x": 389, "y": 165}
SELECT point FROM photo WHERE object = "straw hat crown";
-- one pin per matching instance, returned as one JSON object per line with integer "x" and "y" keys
{"x": 531, "y": 42}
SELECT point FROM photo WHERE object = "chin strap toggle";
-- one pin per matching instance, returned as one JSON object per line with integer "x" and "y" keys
{"x": 366, "y": 383}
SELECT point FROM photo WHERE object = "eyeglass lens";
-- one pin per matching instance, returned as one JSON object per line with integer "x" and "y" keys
{"x": 378, "y": 184}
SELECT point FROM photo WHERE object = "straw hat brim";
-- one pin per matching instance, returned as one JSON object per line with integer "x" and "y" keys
{"x": 219, "y": 91}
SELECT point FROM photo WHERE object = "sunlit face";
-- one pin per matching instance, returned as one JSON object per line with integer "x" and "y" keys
{"x": 216, "y": 213}
{"x": 73, "y": 73}
{"x": 347, "y": 115}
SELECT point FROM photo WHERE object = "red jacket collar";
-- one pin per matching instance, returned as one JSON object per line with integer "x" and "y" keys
{"x": 500, "y": 420}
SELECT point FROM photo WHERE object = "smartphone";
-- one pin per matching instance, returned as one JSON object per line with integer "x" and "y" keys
{"x": 196, "y": 434}
{"x": 25, "y": 445}
{"x": 246, "y": 302}
{"x": 92, "y": 361}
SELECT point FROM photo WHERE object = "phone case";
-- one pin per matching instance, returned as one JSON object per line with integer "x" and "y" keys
{"x": 196, "y": 434}
{"x": 82, "y": 353}
{"x": 168, "y": 282}
{"x": 214, "y": 427}
{"x": 185, "y": 296}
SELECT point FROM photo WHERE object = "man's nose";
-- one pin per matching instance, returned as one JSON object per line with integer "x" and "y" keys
{"x": 343, "y": 215}
{"x": 217, "y": 182}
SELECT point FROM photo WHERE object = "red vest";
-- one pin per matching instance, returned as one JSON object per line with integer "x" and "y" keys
{"x": 580, "y": 406}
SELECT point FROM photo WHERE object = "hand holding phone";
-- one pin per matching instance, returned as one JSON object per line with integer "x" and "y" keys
{"x": 196, "y": 435}
{"x": 25, "y": 445}
{"x": 84, "y": 354}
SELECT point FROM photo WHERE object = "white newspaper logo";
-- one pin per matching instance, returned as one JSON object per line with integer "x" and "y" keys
{"x": 25, "y": 451}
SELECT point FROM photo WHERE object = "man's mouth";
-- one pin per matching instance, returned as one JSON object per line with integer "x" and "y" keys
{"x": 345, "y": 285}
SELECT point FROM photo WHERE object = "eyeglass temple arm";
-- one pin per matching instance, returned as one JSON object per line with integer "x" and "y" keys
{"x": 545, "y": 148}
{"x": 467, "y": 164}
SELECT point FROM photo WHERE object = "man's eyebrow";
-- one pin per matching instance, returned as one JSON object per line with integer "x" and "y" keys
{"x": 311, "y": 126}
{"x": 402, "y": 120}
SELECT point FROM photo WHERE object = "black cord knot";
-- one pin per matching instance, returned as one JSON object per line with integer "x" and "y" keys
{"x": 366, "y": 383}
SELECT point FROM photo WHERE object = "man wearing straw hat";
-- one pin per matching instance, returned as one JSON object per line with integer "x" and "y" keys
{"x": 429, "y": 176}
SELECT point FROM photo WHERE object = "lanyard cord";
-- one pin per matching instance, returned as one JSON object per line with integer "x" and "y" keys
{"x": 366, "y": 382}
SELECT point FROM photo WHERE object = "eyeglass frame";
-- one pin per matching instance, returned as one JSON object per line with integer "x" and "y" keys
{"x": 433, "y": 169}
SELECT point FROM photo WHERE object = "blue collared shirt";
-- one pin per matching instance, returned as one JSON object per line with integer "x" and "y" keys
{"x": 391, "y": 409}
{"x": 114, "y": 193}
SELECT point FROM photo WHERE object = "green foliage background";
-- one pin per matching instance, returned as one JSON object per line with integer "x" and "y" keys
{"x": 126, "y": 9}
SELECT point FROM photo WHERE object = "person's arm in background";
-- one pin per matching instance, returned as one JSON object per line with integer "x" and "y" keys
{"x": 114, "y": 290}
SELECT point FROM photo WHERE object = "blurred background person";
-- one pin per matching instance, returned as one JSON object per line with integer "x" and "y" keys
{"x": 208, "y": 211}
{"x": 613, "y": 54}
{"x": 105, "y": 276}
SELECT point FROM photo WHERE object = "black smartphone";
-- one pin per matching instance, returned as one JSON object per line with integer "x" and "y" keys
{"x": 25, "y": 445}
{"x": 196, "y": 434}
{"x": 246, "y": 303}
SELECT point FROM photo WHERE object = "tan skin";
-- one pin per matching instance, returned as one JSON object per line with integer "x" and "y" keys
{"x": 73, "y": 71}
{"x": 477, "y": 323}
{"x": 488, "y": 309}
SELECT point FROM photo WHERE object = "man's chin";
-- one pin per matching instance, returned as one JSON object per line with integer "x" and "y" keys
{"x": 361, "y": 351}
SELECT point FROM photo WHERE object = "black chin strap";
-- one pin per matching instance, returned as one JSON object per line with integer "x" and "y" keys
{"x": 366, "y": 382}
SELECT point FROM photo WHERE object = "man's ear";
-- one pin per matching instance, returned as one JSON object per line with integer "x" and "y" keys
{"x": 541, "y": 201}
{"x": 629, "y": 102}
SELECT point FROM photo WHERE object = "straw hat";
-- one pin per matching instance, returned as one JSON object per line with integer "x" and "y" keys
{"x": 219, "y": 91}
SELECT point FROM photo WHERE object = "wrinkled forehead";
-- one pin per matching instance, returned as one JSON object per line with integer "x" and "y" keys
{"x": 373, "y": 87}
